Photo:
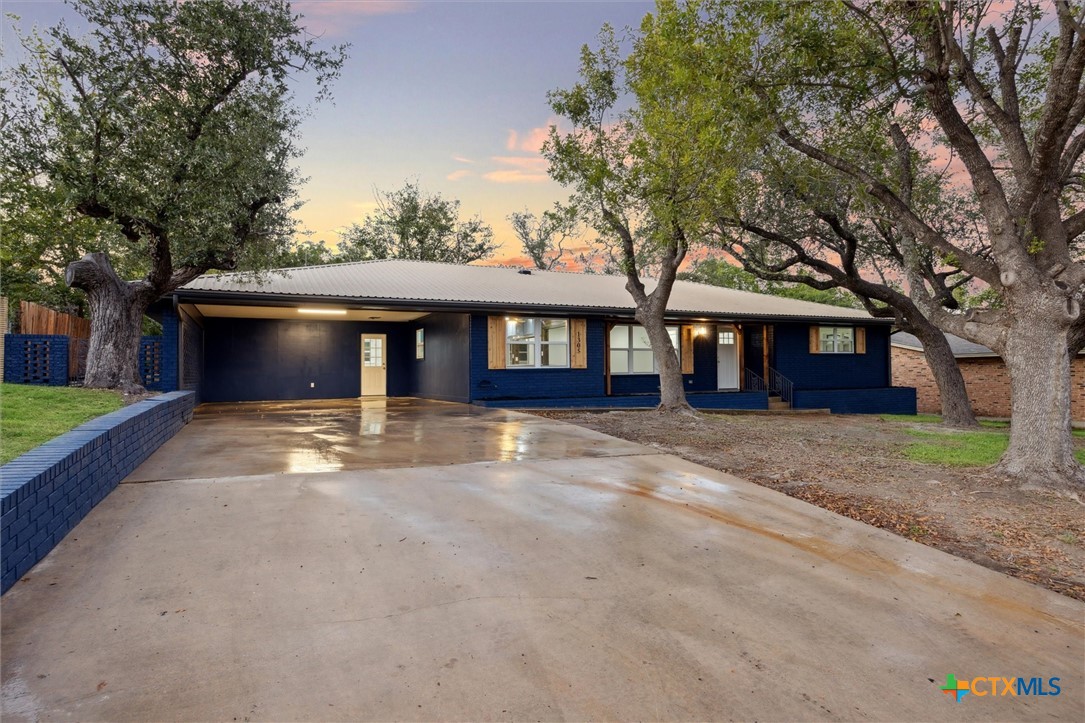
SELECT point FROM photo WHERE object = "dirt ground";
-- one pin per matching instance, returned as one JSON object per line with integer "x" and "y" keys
{"x": 854, "y": 465}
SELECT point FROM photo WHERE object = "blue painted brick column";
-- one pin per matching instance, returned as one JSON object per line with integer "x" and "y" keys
{"x": 47, "y": 491}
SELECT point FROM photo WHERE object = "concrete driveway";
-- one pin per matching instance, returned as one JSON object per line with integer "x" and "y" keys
{"x": 427, "y": 561}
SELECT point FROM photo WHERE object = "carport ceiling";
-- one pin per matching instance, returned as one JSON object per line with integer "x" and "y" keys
{"x": 322, "y": 312}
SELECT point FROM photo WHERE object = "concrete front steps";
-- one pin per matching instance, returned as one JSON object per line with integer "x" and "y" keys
{"x": 778, "y": 404}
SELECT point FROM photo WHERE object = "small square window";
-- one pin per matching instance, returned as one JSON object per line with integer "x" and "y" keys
{"x": 521, "y": 355}
{"x": 836, "y": 339}
{"x": 727, "y": 337}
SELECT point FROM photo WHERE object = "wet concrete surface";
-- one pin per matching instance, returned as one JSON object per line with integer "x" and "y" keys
{"x": 340, "y": 435}
{"x": 629, "y": 586}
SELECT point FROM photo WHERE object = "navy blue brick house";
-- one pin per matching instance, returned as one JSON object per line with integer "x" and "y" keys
{"x": 506, "y": 337}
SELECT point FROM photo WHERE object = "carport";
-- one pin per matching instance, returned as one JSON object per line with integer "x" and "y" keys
{"x": 405, "y": 560}
{"x": 311, "y": 351}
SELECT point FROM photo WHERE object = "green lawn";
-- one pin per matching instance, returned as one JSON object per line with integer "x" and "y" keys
{"x": 935, "y": 419}
{"x": 30, "y": 415}
{"x": 958, "y": 448}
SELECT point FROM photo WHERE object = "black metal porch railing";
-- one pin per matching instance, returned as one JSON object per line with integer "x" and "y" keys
{"x": 754, "y": 382}
{"x": 781, "y": 385}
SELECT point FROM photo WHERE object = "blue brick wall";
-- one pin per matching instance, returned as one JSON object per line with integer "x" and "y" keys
{"x": 36, "y": 359}
{"x": 150, "y": 363}
{"x": 47, "y": 491}
{"x": 708, "y": 400}
{"x": 159, "y": 375}
{"x": 889, "y": 400}
{"x": 535, "y": 383}
{"x": 192, "y": 354}
{"x": 831, "y": 371}
{"x": 590, "y": 382}
{"x": 166, "y": 350}
{"x": 171, "y": 351}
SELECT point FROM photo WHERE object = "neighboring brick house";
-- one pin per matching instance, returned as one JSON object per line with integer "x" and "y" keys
{"x": 985, "y": 375}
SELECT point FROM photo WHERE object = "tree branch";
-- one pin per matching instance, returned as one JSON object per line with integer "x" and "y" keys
{"x": 904, "y": 214}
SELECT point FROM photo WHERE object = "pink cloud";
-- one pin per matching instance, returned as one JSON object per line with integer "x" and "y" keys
{"x": 462, "y": 159}
{"x": 515, "y": 175}
{"x": 533, "y": 140}
{"x": 528, "y": 168}
{"x": 525, "y": 163}
{"x": 340, "y": 8}
{"x": 508, "y": 261}
{"x": 334, "y": 17}
{"x": 518, "y": 169}
{"x": 457, "y": 175}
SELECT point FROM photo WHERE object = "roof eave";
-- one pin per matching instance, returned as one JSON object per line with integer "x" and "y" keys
{"x": 246, "y": 298}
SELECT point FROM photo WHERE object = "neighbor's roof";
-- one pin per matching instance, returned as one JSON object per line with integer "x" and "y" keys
{"x": 962, "y": 348}
{"x": 424, "y": 283}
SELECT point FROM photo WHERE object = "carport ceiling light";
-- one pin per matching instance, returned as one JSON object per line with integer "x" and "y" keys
{"x": 333, "y": 312}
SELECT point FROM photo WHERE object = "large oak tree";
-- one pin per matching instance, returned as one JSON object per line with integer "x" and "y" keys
{"x": 987, "y": 102}
{"x": 175, "y": 123}
{"x": 644, "y": 188}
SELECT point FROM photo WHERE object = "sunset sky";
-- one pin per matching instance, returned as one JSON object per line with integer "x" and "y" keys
{"x": 452, "y": 94}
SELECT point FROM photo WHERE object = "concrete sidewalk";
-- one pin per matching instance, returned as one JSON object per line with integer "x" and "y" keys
{"x": 584, "y": 578}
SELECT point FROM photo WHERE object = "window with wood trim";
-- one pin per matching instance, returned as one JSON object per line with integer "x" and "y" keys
{"x": 536, "y": 343}
{"x": 631, "y": 351}
{"x": 837, "y": 340}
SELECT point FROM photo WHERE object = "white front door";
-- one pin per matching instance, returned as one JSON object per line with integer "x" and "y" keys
{"x": 374, "y": 365}
{"x": 727, "y": 357}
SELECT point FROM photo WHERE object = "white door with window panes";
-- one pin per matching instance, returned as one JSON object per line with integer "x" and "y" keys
{"x": 727, "y": 357}
{"x": 374, "y": 365}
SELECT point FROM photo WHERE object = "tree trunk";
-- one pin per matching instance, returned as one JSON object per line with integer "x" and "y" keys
{"x": 672, "y": 392}
{"x": 116, "y": 313}
{"x": 956, "y": 406}
{"x": 1041, "y": 451}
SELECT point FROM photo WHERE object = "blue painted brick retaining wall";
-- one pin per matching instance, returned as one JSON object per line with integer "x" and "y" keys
{"x": 887, "y": 400}
{"x": 36, "y": 359}
{"x": 47, "y": 491}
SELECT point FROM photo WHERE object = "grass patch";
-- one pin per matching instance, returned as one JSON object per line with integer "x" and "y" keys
{"x": 913, "y": 418}
{"x": 31, "y": 415}
{"x": 964, "y": 449}
{"x": 936, "y": 419}
{"x": 957, "y": 449}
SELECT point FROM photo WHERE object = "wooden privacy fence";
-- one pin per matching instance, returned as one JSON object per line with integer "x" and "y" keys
{"x": 38, "y": 319}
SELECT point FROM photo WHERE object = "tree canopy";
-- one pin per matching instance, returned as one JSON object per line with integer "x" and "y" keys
{"x": 174, "y": 123}
{"x": 412, "y": 224}
{"x": 903, "y": 109}
{"x": 544, "y": 239}
{"x": 720, "y": 272}
{"x": 643, "y": 182}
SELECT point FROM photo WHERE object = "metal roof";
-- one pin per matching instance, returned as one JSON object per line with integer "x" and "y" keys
{"x": 960, "y": 347}
{"x": 424, "y": 282}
